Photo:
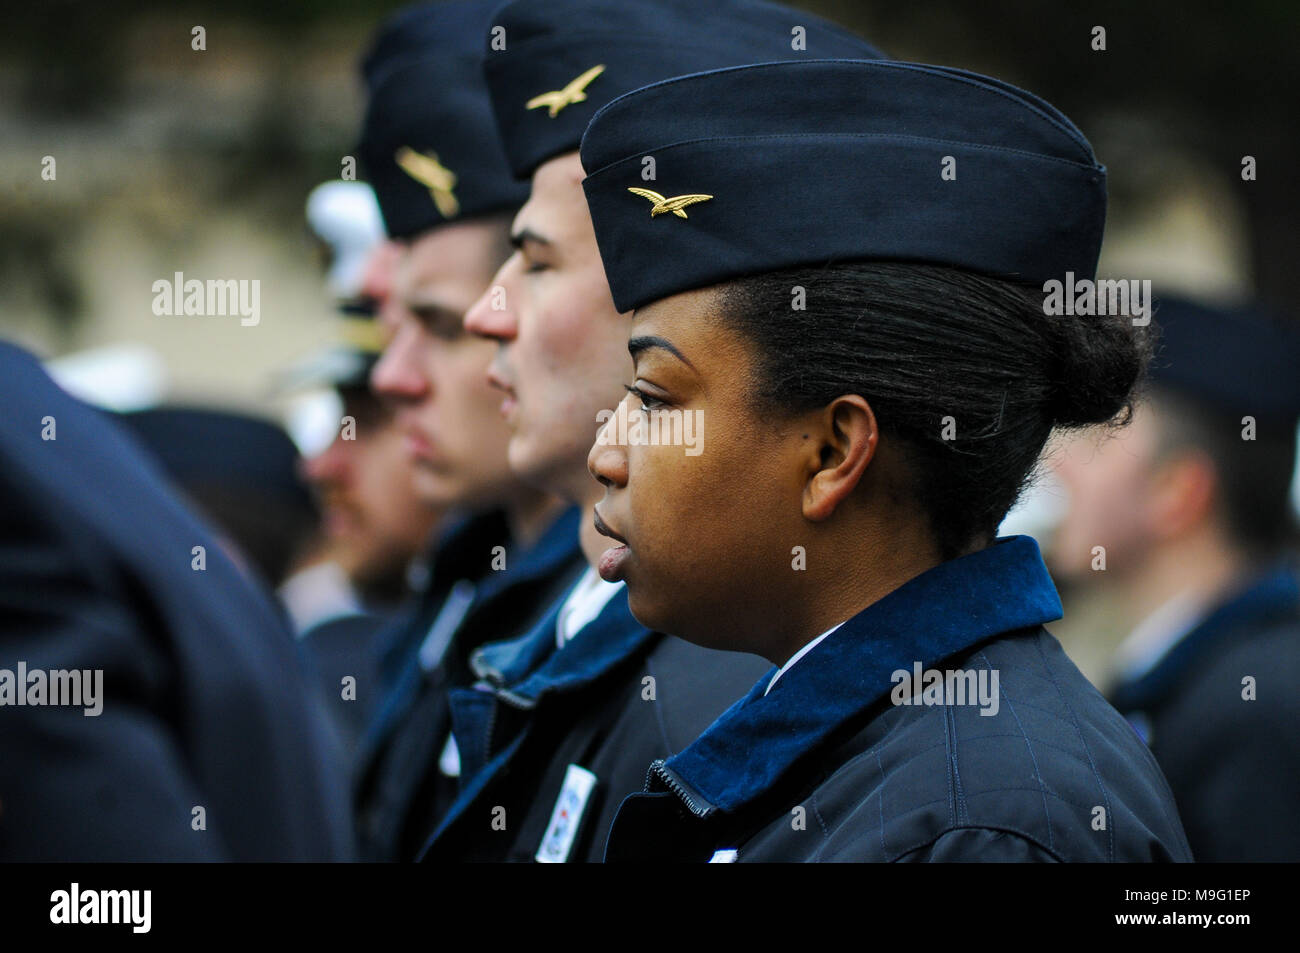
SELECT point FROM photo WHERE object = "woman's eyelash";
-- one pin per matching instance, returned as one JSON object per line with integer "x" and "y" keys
{"x": 647, "y": 402}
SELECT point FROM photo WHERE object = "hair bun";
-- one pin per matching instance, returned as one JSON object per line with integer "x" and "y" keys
{"x": 1099, "y": 359}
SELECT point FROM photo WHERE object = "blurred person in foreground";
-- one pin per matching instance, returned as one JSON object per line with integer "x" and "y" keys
{"x": 429, "y": 151}
{"x": 191, "y": 733}
{"x": 1183, "y": 521}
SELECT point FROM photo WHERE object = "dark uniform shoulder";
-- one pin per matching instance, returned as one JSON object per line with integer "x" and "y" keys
{"x": 1039, "y": 766}
{"x": 204, "y": 701}
{"x": 1232, "y": 716}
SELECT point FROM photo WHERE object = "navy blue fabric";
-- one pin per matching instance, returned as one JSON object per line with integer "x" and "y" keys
{"x": 204, "y": 702}
{"x": 812, "y": 162}
{"x": 529, "y": 667}
{"x": 952, "y": 607}
{"x": 877, "y": 779}
{"x": 1273, "y": 597}
{"x": 638, "y": 42}
{"x": 605, "y": 642}
{"x": 554, "y": 550}
{"x": 425, "y": 92}
{"x": 201, "y": 446}
{"x": 402, "y": 793}
{"x": 1239, "y": 360}
{"x": 462, "y": 550}
{"x": 1232, "y": 761}
{"x": 616, "y": 698}
{"x": 526, "y": 670}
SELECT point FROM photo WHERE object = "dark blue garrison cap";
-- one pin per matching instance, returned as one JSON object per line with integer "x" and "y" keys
{"x": 764, "y": 167}
{"x": 198, "y": 447}
{"x": 428, "y": 143}
{"x": 1239, "y": 360}
{"x": 564, "y": 59}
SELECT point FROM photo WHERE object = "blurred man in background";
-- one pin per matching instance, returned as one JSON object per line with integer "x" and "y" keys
{"x": 367, "y": 555}
{"x": 1183, "y": 520}
{"x": 431, "y": 154}
{"x": 373, "y": 524}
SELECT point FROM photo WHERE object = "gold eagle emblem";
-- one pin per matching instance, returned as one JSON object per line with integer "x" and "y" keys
{"x": 429, "y": 172}
{"x": 557, "y": 99}
{"x": 675, "y": 204}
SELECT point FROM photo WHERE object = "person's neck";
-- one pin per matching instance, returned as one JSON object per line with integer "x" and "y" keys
{"x": 847, "y": 577}
{"x": 1202, "y": 565}
{"x": 530, "y": 514}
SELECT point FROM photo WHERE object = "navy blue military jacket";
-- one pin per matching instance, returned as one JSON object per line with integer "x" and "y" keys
{"x": 892, "y": 740}
{"x": 1222, "y": 715}
{"x": 615, "y": 698}
{"x": 402, "y": 791}
{"x": 204, "y": 704}
{"x": 460, "y": 551}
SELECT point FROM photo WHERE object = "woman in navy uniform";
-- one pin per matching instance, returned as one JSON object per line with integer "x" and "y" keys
{"x": 841, "y": 268}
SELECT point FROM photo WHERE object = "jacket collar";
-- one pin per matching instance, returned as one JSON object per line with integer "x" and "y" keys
{"x": 463, "y": 550}
{"x": 558, "y": 545}
{"x": 1273, "y": 596}
{"x": 941, "y": 612}
{"x": 525, "y": 668}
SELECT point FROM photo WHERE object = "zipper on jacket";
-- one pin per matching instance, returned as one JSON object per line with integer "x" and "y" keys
{"x": 494, "y": 681}
{"x": 694, "y": 803}
{"x": 483, "y": 670}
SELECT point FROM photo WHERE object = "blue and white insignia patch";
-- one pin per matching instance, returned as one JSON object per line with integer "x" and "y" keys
{"x": 566, "y": 816}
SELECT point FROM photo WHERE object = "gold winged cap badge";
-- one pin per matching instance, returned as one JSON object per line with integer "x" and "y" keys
{"x": 676, "y": 204}
{"x": 574, "y": 92}
{"x": 428, "y": 171}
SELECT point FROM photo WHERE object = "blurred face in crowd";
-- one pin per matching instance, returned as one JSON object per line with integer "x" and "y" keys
{"x": 434, "y": 374}
{"x": 380, "y": 274}
{"x": 1118, "y": 497}
{"x": 371, "y": 517}
{"x": 562, "y": 355}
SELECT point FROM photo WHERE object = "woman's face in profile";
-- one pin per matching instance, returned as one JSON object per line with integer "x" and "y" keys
{"x": 702, "y": 484}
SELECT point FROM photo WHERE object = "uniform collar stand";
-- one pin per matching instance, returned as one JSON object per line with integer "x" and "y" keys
{"x": 531, "y": 665}
{"x": 1272, "y": 596}
{"x": 941, "y": 612}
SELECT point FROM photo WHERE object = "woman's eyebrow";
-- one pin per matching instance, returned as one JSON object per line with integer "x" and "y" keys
{"x": 641, "y": 343}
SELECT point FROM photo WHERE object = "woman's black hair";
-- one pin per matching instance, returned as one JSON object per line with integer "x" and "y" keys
{"x": 968, "y": 372}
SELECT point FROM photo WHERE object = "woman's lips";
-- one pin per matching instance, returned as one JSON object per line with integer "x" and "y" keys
{"x": 611, "y": 562}
{"x": 610, "y": 566}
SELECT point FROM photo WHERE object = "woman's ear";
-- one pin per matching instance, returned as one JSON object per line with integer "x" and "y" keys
{"x": 847, "y": 437}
